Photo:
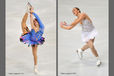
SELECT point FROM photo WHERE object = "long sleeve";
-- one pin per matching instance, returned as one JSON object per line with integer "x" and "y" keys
{"x": 40, "y": 22}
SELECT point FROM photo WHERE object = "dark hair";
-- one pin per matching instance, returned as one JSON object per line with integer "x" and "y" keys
{"x": 36, "y": 20}
{"x": 78, "y": 9}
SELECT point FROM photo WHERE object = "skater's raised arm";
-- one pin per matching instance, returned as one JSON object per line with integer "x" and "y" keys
{"x": 39, "y": 21}
{"x": 73, "y": 24}
{"x": 31, "y": 21}
{"x": 31, "y": 18}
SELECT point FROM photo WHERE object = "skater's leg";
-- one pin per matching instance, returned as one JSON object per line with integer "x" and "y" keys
{"x": 94, "y": 51}
{"x": 23, "y": 24}
{"x": 34, "y": 51}
{"x": 80, "y": 51}
{"x": 91, "y": 46}
{"x": 86, "y": 46}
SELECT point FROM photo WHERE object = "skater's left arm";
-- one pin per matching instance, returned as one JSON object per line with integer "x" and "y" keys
{"x": 64, "y": 25}
{"x": 39, "y": 21}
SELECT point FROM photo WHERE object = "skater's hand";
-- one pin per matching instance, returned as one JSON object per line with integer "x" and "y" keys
{"x": 62, "y": 24}
{"x": 31, "y": 10}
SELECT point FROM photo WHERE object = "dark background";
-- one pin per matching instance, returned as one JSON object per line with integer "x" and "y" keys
{"x": 2, "y": 37}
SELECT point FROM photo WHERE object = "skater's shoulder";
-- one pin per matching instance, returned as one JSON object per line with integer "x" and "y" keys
{"x": 83, "y": 14}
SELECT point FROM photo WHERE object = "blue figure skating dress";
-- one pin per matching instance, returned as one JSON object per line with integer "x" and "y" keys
{"x": 32, "y": 37}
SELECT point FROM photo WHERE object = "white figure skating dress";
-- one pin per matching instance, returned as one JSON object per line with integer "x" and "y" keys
{"x": 88, "y": 30}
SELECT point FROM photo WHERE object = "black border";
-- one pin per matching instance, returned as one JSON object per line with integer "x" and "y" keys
{"x": 56, "y": 37}
{"x": 2, "y": 37}
{"x": 111, "y": 38}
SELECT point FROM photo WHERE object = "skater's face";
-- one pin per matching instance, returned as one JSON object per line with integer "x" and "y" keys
{"x": 35, "y": 22}
{"x": 75, "y": 11}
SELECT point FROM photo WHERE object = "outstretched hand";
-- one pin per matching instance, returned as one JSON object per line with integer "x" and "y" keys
{"x": 63, "y": 24}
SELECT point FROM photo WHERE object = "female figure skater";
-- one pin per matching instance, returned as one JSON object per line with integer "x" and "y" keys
{"x": 33, "y": 37}
{"x": 88, "y": 32}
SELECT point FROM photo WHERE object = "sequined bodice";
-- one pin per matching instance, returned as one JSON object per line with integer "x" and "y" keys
{"x": 87, "y": 26}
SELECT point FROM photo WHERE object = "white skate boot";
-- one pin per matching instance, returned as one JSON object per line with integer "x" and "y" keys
{"x": 98, "y": 63}
{"x": 80, "y": 53}
{"x": 35, "y": 70}
{"x": 28, "y": 6}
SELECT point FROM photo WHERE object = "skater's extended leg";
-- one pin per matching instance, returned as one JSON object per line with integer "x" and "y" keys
{"x": 94, "y": 51}
{"x": 23, "y": 24}
{"x": 86, "y": 46}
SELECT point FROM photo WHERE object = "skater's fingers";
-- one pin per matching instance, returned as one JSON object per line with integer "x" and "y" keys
{"x": 61, "y": 23}
{"x": 32, "y": 8}
{"x": 31, "y": 11}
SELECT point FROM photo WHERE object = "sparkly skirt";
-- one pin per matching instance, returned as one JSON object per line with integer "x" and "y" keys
{"x": 86, "y": 36}
{"x": 32, "y": 38}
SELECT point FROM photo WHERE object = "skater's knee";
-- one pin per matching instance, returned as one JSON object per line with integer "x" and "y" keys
{"x": 35, "y": 55}
{"x": 90, "y": 44}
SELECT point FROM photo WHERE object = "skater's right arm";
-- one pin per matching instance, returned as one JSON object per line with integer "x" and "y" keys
{"x": 73, "y": 24}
